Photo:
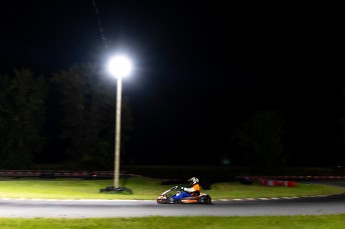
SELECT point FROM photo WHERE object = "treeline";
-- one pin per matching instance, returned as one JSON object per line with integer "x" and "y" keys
{"x": 85, "y": 109}
{"x": 22, "y": 115}
{"x": 86, "y": 104}
{"x": 85, "y": 112}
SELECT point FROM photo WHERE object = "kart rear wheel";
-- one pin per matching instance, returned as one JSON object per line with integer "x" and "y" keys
{"x": 205, "y": 200}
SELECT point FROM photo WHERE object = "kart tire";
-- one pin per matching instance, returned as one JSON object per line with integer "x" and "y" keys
{"x": 205, "y": 200}
{"x": 163, "y": 201}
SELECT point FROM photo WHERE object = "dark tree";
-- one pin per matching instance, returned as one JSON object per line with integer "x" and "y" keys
{"x": 260, "y": 142}
{"x": 88, "y": 107}
{"x": 341, "y": 139}
{"x": 22, "y": 115}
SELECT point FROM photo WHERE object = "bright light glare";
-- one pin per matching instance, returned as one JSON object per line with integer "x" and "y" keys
{"x": 120, "y": 66}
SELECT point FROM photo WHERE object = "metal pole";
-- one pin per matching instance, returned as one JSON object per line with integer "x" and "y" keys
{"x": 117, "y": 133}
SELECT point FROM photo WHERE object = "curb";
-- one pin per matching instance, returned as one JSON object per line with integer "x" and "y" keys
{"x": 216, "y": 200}
{"x": 278, "y": 198}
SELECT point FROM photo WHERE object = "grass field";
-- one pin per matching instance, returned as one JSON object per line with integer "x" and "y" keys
{"x": 258, "y": 222}
{"x": 144, "y": 189}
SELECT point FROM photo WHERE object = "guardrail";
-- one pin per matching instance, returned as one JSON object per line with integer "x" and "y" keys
{"x": 60, "y": 173}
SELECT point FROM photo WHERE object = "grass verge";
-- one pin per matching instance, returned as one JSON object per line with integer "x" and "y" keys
{"x": 145, "y": 189}
{"x": 258, "y": 222}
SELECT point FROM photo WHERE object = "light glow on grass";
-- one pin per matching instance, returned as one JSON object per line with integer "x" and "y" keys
{"x": 145, "y": 189}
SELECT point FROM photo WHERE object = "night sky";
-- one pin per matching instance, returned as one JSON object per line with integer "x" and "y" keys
{"x": 201, "y": 68}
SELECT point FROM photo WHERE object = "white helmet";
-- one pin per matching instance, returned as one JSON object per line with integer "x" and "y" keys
{"x": 193, "y": 181}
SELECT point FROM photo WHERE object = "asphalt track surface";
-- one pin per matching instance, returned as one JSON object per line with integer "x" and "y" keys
{"x": 116, "y": 208}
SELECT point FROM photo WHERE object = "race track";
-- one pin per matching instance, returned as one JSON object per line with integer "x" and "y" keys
{"x": 116, "y": 208}
{"x": 105, "y": 208}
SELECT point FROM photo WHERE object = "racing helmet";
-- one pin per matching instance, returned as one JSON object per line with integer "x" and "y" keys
{"x": 193, "y": 181}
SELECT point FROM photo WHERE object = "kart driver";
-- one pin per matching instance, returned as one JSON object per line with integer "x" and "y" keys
{"x": 194, "y": 190}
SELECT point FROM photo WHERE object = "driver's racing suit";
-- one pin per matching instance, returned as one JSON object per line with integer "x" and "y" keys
{"x": 187, "y": 192}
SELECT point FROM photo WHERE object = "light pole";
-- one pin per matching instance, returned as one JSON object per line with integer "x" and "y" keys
{"x": 119, "y": 67}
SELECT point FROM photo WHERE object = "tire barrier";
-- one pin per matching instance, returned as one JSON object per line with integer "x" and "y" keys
{"x": 296, "y": 177}
{"x": 277, "y": 183}
{"x": 60, "y": 173}
{"x": 287, "y": 181}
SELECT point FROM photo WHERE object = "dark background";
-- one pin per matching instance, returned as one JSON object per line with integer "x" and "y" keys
{"x": 201, "y": 69}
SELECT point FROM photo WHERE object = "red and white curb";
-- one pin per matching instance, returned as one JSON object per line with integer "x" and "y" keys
{"x": 221, "y": 200}
{"x": 277, "y": 198}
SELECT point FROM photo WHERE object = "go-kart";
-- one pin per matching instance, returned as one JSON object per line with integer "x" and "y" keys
{"x": 166, "y": 197}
